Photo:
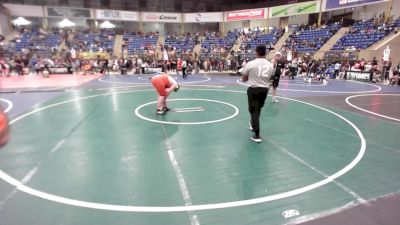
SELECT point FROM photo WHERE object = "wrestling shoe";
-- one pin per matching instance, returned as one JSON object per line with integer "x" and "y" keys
{"x": 256, "y": 139}
{"x": 161, "y": 112}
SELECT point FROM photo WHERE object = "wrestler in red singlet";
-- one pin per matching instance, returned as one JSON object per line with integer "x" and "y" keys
{"x": 163, "y": 84}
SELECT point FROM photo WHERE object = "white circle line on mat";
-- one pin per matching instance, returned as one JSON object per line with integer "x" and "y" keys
{"x": 129, "y": 208}
{"x": 370, "y": 112}
{"x": 288, "y": 82}
{"x": 207, "y": 78}
{"x": 137, "y": 112}
{"x": 332, "y": 92}
{"x": 9, "y": 103}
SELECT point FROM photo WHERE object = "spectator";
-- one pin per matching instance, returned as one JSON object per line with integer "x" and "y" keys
{"x": 184, "y": 67}
{"x": 4, "y": 68}
{"x": 338, "y": 67}
{"x": 395, "y": 77}
{"x": 18, "y": 66}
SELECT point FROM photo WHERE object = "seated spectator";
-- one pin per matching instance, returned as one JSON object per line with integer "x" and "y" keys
{"x": 4, "y": 69}
{"x": 395, "y": 78}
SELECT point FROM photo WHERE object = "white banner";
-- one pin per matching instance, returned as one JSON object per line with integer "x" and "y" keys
{"x": 116, "y": 15}
{"x": 203, "y": 17}
{"x": 161, "y": 17}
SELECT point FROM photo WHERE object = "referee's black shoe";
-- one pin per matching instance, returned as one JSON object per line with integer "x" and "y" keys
{"x": 165, "y": 109}
{"x": 256, "y": 139}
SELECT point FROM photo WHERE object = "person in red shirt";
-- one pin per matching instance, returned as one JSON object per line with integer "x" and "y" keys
{"x": 164, "y": 85}
{"x": 4, "y": 69}
{"x": 4, "y": 128}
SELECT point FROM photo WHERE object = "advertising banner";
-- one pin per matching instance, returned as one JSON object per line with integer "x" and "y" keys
{"x": 203, "y": 17}
{"x": 162, "y": 17}
{"x": 334, "y": 4}
{"x": 249, "y": 14}
{"x": 67, "y": 12}
{"x": 116, "y": 15}
{"x": 294, "y": 9}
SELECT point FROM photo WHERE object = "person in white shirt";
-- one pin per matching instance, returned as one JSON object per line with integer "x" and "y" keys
{"x": 257, "y": 73}
{"x": 338, "y": 66}
{"x": 144, "y": 66}
{"x": 139, "y": 64}
{"x": 184, "y": 67}
{"x": 115, "y": 65}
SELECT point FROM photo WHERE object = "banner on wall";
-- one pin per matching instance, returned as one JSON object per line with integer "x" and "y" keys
{"x": 203, "y": 17}
{"x": 249, "y": 14}
{"x": 116, "y": 15}
{"x": 162, "y": 17}
{"x": 334, "y": 4}
{"x": 294, "y": 9}
{"x": 68, "y": 12}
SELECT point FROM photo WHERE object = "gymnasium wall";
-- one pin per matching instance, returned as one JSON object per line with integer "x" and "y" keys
{"x": 151, "y": 27}
{"x": 199, "y": 27}
{"x": 274, "y": 22}
{"x": 299, "y": 19}
{"x": 396, "y": 8}
{"x": 5, "y": 27}
{"x": 172, "y": 28}
{"x": 361, "y": 12}
{"x": 81, "y": 23}
{"x": 394, "y": 46}
{"x": 233, "y": 25}
{"x": 131, "y": 26}
{"x": 369, "y": 11}
{"x": 25, "y": 10}
{"x": 258, "y": 23}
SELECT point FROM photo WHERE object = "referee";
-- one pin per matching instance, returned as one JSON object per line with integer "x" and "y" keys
{"x": 257, "y": 74}
{"x": 279, "y": 66}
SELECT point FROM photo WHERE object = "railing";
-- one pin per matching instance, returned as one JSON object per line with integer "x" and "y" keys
{"x": 349, "y": 55}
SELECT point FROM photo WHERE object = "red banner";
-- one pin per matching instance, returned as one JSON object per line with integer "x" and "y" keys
{"x": 246, "y": 14}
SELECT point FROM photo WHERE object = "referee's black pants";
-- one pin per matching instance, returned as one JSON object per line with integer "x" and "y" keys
{"x": 256, "y": 98}
{"x": 184, "y": 72}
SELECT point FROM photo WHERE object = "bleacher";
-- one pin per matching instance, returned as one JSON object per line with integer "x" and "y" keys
{"x": 40, "y": 44}
{"x": 363, "y": 35}
{"x": 311, "y": 40}
{"x": 262, "y": 38}
{"x": 181, "y": 44}
{"x": 226, "y": 42}
{"x": 396, "y": 23}
{"x": 138, "y": 43}
{"x": 25, "y": 41}
{"x": 96, "y": 41}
